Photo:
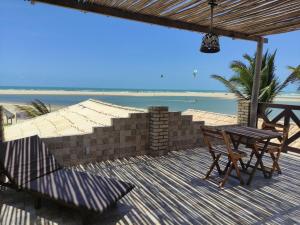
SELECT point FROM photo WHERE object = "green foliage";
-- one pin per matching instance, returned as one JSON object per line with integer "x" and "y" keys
{"x": 270, "y": 86}
{"x": 296, "y": 72}
{"x": 36, "y": 108}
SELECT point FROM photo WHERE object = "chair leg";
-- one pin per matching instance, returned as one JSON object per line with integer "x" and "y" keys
{"x": 213, "y": 165}
{"x": 238, "y": 173}
{"x": 275, "y": 165}
{"x": 217, "y": 163}
{"x": 226, "y": 175}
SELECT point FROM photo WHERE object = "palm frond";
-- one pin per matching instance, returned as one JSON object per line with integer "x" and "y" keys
{"x": 293, "y": 77}
{"x": 296, "y": 72}
{"x": 230, "y": 86}
{"x": 36, "y": 108}
{"x": 241, "y": 82}
{"x": 251, "y": 60}
{"x": 40, "y": 106}
{"x": 237, "y": 66}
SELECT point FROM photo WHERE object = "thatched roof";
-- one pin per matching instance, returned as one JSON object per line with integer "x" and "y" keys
{"x": 243, "y": 19}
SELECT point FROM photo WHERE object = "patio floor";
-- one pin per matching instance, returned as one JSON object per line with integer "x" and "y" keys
{"x": 170, "y": 190}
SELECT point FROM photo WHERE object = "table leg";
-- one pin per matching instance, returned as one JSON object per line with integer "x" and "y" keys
{"x": 235, "y": 143}
{"x": 227, "y": 166}
{"x": 242, "y": 165}
{"x": 259, "y": 161}
{"x": 249, "y": 161}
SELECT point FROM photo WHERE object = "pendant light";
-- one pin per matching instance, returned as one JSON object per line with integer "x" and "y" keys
{"x": 210, "y": 42}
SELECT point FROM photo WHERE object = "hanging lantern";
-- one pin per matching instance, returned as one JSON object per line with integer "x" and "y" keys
{"x": 210, "y": 42}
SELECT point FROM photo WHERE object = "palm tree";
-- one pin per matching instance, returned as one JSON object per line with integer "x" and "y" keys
{"x": 241, "y": 82}
{"x": 296, "y": 71}
{"x": 36, "y": 108}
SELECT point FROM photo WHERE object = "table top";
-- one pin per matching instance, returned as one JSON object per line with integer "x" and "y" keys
{"x": 251, "y": 132}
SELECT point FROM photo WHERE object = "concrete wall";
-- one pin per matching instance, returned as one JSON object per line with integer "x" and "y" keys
{"x": 184, "y": 132}
{"x": 154, "y": 133}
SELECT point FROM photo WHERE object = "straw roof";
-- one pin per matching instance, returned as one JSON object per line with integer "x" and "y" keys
{"x": 242, "y": 19}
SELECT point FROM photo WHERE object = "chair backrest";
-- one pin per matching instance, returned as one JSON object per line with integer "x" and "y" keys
{"x": 26, "y": 159}
{"x": 283, "y": 129}
{"x": 215, "y": 137}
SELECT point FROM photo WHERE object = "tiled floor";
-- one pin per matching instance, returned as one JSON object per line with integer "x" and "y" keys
{"x": 170, "y": 190}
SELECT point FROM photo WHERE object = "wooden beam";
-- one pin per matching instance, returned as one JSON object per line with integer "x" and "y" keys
{"x": 1, "y": 125}
{"x": 256, "y": 84}
{"x": 117, "y": 12}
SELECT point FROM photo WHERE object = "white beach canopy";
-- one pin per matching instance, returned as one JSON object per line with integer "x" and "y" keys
{"x": 238, "y": 19}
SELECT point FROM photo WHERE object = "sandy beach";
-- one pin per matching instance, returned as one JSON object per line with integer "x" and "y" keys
{"x": 225, "y": 95}
{"x": 116, "y": 93}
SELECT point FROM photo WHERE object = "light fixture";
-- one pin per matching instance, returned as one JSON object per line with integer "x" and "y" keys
{"x": 210, "y": 42}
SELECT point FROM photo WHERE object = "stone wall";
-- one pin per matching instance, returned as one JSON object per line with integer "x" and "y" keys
{"x": 243, "y": 112}
{"x": 154, "y": 133}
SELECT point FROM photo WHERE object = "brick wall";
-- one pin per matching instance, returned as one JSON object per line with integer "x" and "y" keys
{"x": 159, "y": 131}
{"x": 154, "y": 133}
{"x": 243, "y": 112}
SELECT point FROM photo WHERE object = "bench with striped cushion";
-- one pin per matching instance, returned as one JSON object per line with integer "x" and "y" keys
{"x": 26, "y": 159}
{"x": 30, "y": 166}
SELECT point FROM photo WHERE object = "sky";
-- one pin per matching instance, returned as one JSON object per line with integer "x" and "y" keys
{"x": 49, "y": 46}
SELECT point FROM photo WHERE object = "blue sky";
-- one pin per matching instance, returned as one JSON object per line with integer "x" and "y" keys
{"x": 43, "y": 45}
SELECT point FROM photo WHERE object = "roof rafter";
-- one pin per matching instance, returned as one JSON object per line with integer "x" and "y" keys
{"x": 106, "y": 9}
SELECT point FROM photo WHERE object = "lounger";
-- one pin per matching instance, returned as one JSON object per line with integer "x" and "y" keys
{"x": 29, "y": 166}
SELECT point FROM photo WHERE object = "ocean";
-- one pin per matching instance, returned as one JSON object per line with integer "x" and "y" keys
{"x": 175, "y": 103}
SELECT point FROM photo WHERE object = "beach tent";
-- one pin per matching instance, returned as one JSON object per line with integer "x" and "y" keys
{"x": 238, "y": 19}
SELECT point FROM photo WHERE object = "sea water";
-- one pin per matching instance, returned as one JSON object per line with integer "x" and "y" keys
{"x": 175, "y": 103}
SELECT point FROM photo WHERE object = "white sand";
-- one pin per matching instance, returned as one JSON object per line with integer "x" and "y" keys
{"x": 116, "y": 93}
{"x": 225, "y": 95}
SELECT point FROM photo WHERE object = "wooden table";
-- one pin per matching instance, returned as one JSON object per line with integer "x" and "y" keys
{"x": 252, "y": 135}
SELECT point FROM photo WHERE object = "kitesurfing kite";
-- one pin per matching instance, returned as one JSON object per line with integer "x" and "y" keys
{"x": 195, "y": 73}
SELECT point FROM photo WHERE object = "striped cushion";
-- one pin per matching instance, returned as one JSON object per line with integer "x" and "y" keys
{"x": 26, "y": 159}
{"x": 80, "y": 189}
{"x": 30, "y": 166}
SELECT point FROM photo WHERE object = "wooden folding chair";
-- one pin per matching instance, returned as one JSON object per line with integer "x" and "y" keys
{"x": 218, "y": 143}
{"x": 274, "y": 149}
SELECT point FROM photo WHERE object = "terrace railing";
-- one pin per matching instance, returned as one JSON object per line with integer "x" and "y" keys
{"x": 286, "y": 114}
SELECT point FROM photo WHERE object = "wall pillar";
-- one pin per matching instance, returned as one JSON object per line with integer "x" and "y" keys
{"x": 158, "y": 131}
{"x": 243, "y": 113}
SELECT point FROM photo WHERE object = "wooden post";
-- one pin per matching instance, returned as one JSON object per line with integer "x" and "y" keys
{"x": 256, "y": 84}
{"x": 1, "y": 125}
